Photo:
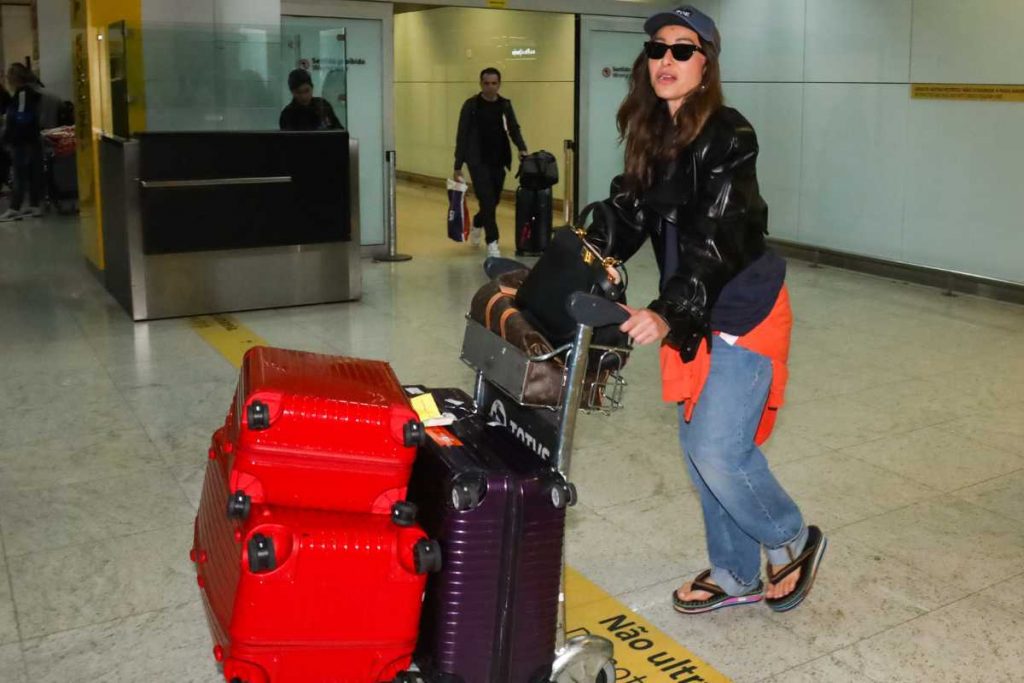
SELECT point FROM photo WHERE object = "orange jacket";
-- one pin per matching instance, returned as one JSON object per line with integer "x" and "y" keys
{"x": 684, "y": 381}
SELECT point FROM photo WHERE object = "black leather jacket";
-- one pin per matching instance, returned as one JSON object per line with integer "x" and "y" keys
{"x": 710, "y": 192}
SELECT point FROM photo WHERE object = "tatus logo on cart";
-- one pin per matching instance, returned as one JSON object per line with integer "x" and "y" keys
{"x": 499, "y": 415}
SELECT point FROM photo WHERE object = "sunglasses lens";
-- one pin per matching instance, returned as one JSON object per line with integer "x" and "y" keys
{"x": 655, "y": 50}
{"x": 682, "y": 53}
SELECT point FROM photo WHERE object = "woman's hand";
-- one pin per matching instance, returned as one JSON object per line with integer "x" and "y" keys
{"x": 644, "y": 325}
{"x": 613, "y": 274}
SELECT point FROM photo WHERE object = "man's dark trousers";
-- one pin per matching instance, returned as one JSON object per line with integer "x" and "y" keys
{"x": 488, "y": 182}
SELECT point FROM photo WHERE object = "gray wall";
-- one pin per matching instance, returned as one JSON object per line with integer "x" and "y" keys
{"x": 849, "y": 161}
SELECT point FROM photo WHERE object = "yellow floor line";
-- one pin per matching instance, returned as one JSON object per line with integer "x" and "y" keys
{"x": 643, "y": 653}
{"x": 228, "y": 336}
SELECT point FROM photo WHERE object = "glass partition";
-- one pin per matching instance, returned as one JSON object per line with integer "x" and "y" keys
{"x": 196, "y": 77}
{"x": 235, "y": 76}
{"x": 213, "y": 77}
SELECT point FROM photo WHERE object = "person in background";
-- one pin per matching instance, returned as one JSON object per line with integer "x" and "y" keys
{"x": 306, "y": 112}
{"x": 5, "y": 156}
{"x": 21, "y": 133}
{"x": 486, "y": 123}
{"x": 49, "y": 103}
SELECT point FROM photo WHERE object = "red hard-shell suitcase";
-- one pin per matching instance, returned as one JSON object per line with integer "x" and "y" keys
{"x": 317, "y": 431}
{"x": 309, "y": 596}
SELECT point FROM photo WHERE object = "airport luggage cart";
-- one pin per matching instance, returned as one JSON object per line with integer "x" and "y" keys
{"x": 501, "y": 372}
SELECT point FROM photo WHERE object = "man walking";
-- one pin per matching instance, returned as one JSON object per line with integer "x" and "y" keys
{"x": 486, "y": 123}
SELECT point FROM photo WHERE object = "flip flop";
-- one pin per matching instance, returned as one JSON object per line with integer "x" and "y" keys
{"x": 807, "y": 562}
{"x": 719, "y": 598}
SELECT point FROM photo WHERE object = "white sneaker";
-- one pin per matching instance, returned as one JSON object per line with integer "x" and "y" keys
{"x": 493, "y": 250}
{"x": 476, "y": 236}
{"x": 11, "y": 215}
{"x": 35, "y": 211}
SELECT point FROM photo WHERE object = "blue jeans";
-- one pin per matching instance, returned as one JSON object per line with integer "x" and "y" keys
{"x": 744, "y": 507}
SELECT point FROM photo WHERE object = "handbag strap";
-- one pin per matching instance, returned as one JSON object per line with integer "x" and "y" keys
{"x": 609, "y": 221}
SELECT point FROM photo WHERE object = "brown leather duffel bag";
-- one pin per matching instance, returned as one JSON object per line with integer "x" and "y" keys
{"x": 494, "y": 307}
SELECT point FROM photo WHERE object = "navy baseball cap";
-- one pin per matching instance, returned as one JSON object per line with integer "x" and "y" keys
{"x": 691, "y": 18}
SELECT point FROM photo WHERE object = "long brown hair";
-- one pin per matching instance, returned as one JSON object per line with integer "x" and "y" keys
{"x": 653, "y": 137}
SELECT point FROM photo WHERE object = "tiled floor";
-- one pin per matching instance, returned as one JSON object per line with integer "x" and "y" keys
{"x": 903, "y": 438}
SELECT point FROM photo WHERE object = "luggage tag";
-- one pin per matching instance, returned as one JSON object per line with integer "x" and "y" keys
{"x": 428, "y": 412}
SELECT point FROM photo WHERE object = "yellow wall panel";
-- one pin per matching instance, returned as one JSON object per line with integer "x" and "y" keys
{"x": 89, "y": 20}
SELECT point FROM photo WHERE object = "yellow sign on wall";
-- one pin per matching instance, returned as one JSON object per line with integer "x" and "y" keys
{"x": 967, "y": 91}
{"x": 496, "y": 4}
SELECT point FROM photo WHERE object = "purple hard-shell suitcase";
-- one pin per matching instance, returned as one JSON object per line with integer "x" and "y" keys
{"x": 490, "y": 615}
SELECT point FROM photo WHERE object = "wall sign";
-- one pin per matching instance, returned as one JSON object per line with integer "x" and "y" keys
{"x": 967, "y": 91}
{"x": 616, "y": 71}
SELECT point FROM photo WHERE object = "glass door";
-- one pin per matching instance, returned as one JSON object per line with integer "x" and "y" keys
{"x": 321, "y": 51}
{"x": 608, "y": 47}
{"x": 345, "y": 57}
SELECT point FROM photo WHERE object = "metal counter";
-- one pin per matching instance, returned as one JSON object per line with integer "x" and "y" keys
{"x": 168, "y": 253}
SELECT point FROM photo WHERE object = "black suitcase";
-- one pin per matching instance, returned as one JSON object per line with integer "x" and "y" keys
{"x": 542, "y": 220}
{"x": 533, "y": 221}
{"x": 498, "y": 511}
{"x": 525, "y": 200}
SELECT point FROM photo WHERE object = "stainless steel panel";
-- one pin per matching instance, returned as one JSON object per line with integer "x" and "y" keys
{"x": 197, "y": 283}
{"x": 216, "y": 182}
{"x": 122, "y": 245}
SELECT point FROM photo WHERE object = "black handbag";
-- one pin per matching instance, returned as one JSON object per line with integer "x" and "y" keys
{"x": 538, "y": 171}
{"x": 571, "y": 264}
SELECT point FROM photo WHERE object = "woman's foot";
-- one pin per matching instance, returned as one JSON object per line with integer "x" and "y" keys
{"x": 687, "y": 593}
{"x": 704, "y": 595}
{"x": 783, "y": 587}
{"x": 789, "y": 584}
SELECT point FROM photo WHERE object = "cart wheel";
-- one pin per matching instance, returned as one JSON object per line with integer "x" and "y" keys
{"x": 414, "y": 434}
{"x": 563, "y": 495}
{"x": 607, "y": 673}
{"x": 403, "y": 513}
{"x": 261, "y": 554}
{"x": 408, "y": 677}
{"x": 427, "y": 555}
{"x": 239, "y": 505}
{"x": 257, "y": 415}
{"x": 467, "y": 492}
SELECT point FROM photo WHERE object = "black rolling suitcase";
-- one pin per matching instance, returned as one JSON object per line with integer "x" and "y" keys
{"x": 533, "y": 221}
{"x": 538, "y": 173}
{"x": 542, "y": 220}
{"x": 498, "y": 511}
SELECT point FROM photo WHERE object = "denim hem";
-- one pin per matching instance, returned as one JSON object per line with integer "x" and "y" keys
{"x": 730, "y": 584}
{"x": 789, "y": 550}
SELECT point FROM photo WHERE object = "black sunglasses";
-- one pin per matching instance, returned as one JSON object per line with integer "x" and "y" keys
{"x": 681, "y": 52}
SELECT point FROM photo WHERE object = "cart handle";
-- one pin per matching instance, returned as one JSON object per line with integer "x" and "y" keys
{"x": 498, "y": 266}
{"x": 593, "y": 311}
